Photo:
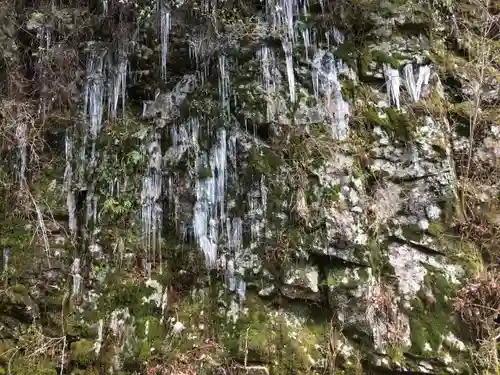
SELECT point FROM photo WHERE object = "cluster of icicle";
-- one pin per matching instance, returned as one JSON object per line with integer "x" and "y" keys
{"x": 414, "y": 88}
{"x": 212, "y": 224}
{"x": 105, "y": 85}
{"x": 324, "y": 67}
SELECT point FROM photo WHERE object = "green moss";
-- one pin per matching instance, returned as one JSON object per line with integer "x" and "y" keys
{"x": 378, "y": 259}
{"x": 263, "y": 337}
{"x": 436, "y": 228}
{"x": 87, "y": 371}
{"x": 396, "y": 124}
{"x": 372, "y": 118}
{"x": 263, "y": 162}
{"x": 331, "y": 193}
{"x": 399, "y": 125}
{"x": 120, "y": 292}
{"x": 464, "y": 253}
{"x": 412, "y": 234}
{"x": 346, "y": 52}
{"x": 382, "y": 58}
{"x": 25, "y": 365}
{"x": 82, "y": 352}
{"x": 14, "y": 234}
{"x": 204, "y": 173}
{"x": 396, "y": 355}
{"x": 343, "y": 278}
{"x": 430, "y": 321}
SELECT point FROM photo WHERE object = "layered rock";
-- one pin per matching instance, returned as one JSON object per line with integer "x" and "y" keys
{"x": 248, "y": 188}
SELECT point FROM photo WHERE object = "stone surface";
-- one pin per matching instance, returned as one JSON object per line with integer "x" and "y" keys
{"x": 236, "y": 192}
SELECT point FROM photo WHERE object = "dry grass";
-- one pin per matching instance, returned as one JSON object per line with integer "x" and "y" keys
{"x": 35, "y": 346}
{"x": 478, "y": 305}
{"x": 384, "y": 313}
{"x": 186, "y": 363}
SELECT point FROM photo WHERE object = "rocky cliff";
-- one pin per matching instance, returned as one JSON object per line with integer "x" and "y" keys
{"x": 237, "y": 187}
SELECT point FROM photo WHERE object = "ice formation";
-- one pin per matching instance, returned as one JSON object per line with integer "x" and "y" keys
{"x": 327, "y": 87}
{"x": 393, "y": 83}
{"x": 415, "y": 88}
{"x": 214, "y": 168}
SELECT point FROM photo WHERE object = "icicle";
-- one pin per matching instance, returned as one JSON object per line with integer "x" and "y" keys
{"x": 267, "y": 63}
{"x": 219, "y": 168}
{"x": 164, "y": 304}
{"x": 165, "y": 24}
{"x": 415, "y": 89}
{"x": 21, "y": 130}
{"x": 118, "y": 87}
{"x": 6, "y": 258}
{"x": 340, "y": 124}
{"x": 316, "y": 67}
{"x": 209, "y": 210}
{"x": 152, "y": 212}
{"x": 122, "y": 70}
{"x": 306, "y": 36}
{"x": 68, "y": 184}
{"x": 287, "y": 48}
{"x": 98, "y": 343}
{"x": 224, "y": 85}
{"x": 235, "y": 245}
{"x": 327, "y": 85}
{"x": 392, "y": 82}
{"x": 95, "y": 94}
{"x": 77, "y": 278}
{"x": 287, "y": 7}
{"x": 338, "y": 36}
{"x": 257, "y": 203}
{"x": 205, "y": 192}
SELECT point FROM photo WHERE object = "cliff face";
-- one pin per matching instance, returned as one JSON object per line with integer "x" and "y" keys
{"x": 245, "y": 187}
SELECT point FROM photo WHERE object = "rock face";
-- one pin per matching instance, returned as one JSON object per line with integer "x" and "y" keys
{"x": 224, "y": 188}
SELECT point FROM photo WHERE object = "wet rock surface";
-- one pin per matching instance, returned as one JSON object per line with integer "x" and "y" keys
{"x": 281, "y": 189}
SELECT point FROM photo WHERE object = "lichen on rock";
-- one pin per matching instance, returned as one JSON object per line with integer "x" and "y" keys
{"x": 280, "y": 188}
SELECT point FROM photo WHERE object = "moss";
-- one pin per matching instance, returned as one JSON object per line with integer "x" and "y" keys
{"x": 378, "y": 259}
{"x": 120, "y": 292}
{"x": 331, "y": 193}
{"x": 465, "y": 254}
{"x": 25, "y": 365}
{"x": 346, "y": 52}
{"x": 372, "y": 118}
{"x": 399, "y": 125}
{"x": 204, "y": 173}
{"x": 46, "y": 189}
{"x": 412, "y": 234}
{"x": 436, "y": 228}
{"x": 14, "y": 234}
{"x": 381, "y": 58}
{"x": 150, "y": 336}
{"x": 82, "y": 352}
{"x": 344, "y": 278}
{"x": 430, "y": 320}
{"x": 263, "y": 162}
{"x": 349, "y": 90}
{"x": 87, "y": 371}
{"x": 396, "y": 124}
{"x": 396, "y": 355}
{"x": 261, "y": 336}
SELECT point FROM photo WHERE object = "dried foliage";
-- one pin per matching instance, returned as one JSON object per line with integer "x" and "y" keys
{"x": 385, "y": 314}
{"x": 478, "y": 304}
